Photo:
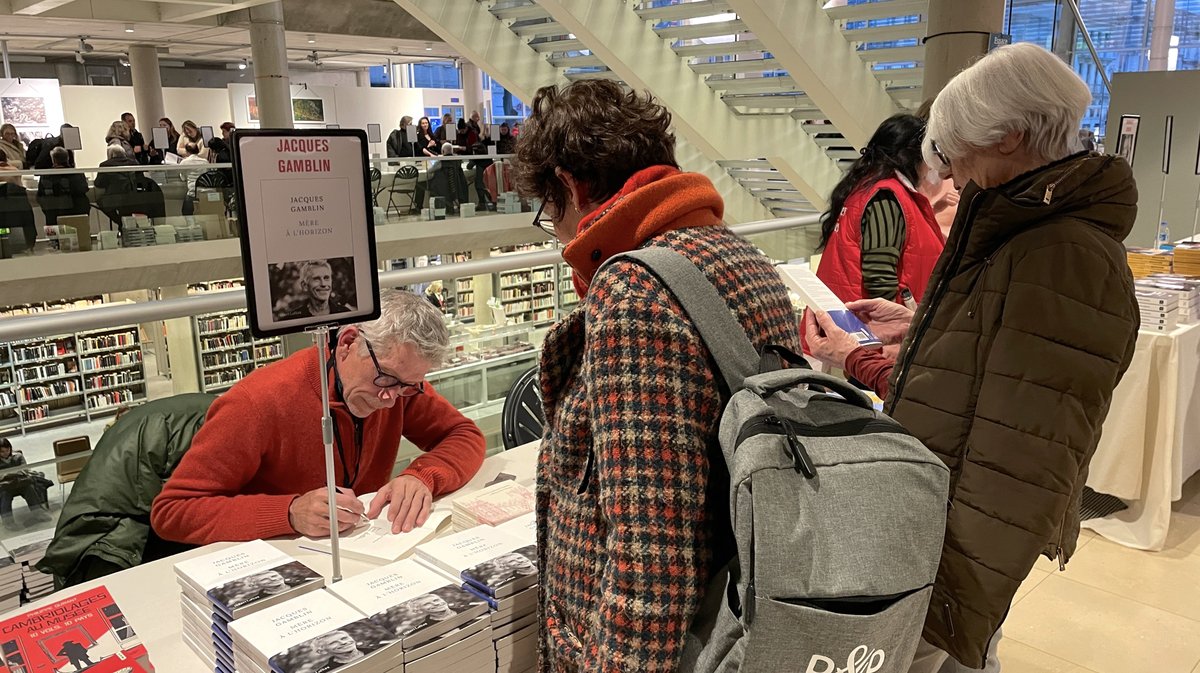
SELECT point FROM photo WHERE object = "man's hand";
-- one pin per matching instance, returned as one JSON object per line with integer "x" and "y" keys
{"x": 408, "y": 502}
{"x": 886, "y": 319}
{"x": 826, "y": 341}
{"x": 309, "y": 513}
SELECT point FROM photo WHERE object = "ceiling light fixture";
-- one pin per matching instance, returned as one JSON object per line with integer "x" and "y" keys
{"x": 312, "y": 39}
{"x": 428, "y": 46}
{"x": 129, "y": 28}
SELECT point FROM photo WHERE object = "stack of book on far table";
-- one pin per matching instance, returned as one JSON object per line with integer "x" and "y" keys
{"x": 10, "y": 584}
{"x": 1186, "y": 288}
{"x": 499, "y": 564}
{"x": 1148, "y": 261}
{"x": 1159, "y": 309}
{"x": 27, "y": 551}
{"x": 218, "y": 588}
{"x": 492, "y": 505}
{"x": 439, "y": 626}
{"x": 314, "y": 633}
{"x": 1187, "y": 259}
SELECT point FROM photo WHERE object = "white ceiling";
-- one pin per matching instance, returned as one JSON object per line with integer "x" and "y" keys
{"x": 48, "y": 36}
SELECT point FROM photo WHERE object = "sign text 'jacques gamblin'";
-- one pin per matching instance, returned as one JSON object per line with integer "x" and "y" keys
{"x": 305, "y": 145}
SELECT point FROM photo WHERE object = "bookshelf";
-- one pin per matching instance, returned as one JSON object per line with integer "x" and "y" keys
{"x": 567, "y": 297}
{"x": 227, "y": 352}
{"x": 528, "y": 295}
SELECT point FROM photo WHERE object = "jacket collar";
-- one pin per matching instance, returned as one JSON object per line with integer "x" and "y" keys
{"x": 653, "y": 201}
{"x": 1095, "y": 189}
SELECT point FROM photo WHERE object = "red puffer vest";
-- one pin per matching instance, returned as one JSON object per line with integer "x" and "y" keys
{"x": 841, "y": 263}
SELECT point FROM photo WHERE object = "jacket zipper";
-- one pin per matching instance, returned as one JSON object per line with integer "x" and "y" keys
{"x": 1049, "y": 195}
{"x": 977, "y": 299}
{"x": 931, "y": 309}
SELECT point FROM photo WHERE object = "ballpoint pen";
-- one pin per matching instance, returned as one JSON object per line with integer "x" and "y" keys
{"x": 362, "y": 517}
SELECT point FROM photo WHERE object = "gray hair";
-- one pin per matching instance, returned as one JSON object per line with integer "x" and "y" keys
{"x": 60, "y": 155}
{"x": 306, "y": 270}
{"x": 115, "y": 151}
{"x": 1017, "y": 88}
{"x": 407, "y": 318}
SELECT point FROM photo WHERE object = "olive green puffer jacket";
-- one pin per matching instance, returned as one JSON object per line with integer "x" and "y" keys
{"x": 105, "y": 524}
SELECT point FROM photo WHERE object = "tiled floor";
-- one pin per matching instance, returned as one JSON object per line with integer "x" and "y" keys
{"x": 1114, "y": 610}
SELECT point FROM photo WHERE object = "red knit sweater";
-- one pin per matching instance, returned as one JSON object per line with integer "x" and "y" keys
{"x": 260, "y": 447}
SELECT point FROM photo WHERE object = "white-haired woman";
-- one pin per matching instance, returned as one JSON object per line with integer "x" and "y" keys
{"x": 1009, "y": 364}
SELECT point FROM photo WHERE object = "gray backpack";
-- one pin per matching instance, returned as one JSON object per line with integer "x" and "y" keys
{"x": 838, "y": 513}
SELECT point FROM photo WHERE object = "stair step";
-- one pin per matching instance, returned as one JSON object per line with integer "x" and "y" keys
{"x": 892, "y": 54}
{"x": 906, "y": 31}
{"x": 684, "y": 10}
{"x": 544, "y": 29}
{"x": 590, "y": 60}
{"x": 550, "y": 46}
{"x": 878, "y": 10}
{"x": 901, "y": 76}
{"x": 752, "y": 84}
{"x": 750, "y": 65}
{"x": 519, "y": 12}
{"x": 702, "y": 30}
{"x": 598, "y": 74}
{"x": 720, "y": 49}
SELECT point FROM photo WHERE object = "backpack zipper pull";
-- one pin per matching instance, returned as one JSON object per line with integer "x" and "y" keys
{"x": 801, "y": 461}
{"x": 1062, "y": 560}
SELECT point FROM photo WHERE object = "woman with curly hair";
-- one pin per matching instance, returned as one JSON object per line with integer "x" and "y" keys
{"x": 632, "y": 516}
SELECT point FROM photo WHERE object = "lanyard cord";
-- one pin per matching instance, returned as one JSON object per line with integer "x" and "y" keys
{"x": 347, "y": 478}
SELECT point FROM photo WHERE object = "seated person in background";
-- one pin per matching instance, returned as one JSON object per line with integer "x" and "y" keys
{"x": 62, "y": 194}
{"x": 114, "y": 186}
{"x": 26, "y": 483}
{"x": 257, "y": 467}
{"x": 316, "y": 279}
{"x": 38, "y": 153}
{"x": 446, "y": 179}
{"x": 16, "y": 213}
{"x": 192, "y": 155}
{"x": 227, "y": 130}
{"x": 6, "y": 166}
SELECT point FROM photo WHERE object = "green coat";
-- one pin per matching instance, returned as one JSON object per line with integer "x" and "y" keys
{"x": 105, "y": 523}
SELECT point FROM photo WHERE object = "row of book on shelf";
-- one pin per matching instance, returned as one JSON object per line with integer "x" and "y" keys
{"x": 463, "y": 602}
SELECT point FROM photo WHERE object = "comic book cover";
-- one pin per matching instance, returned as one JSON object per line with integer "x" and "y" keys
{"x": 85, "y": 631}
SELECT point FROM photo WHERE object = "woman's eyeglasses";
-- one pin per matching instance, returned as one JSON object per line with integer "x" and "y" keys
{"x": 386, "y": 381}
{"x": 541, "y": 222}
{"x": 937, "y": 152}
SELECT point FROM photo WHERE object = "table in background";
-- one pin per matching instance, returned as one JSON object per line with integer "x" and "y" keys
{"x": 1151, "y": 440}
{"x": 149, "y": 596}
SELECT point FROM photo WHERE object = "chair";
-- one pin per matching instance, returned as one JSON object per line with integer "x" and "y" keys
{"x": 522, "y": 419}
{"x": 409, "y": 174}
{"x": 376, "y": 184}
{"x": 68, "y": 470}
{"x": 214, "y": 179}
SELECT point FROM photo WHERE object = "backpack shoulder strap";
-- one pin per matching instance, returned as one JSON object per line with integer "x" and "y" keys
{"x": 723, "y": 335}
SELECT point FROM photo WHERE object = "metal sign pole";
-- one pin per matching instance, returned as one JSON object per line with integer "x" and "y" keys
{"x": 320, "y": 335}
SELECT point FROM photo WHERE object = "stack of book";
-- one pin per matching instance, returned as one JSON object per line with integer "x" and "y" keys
{"x": 27, "y": 551}
{"x": 1148, "y": 261}
{"x": 1187, "y": 259}
{"x": 1186, "y": 288}
{"x": 499, "y": 564}
{"x": 10, "y": 584}
{"x": 1160, "y": 310}
{"x": 86, "y": 631}
{"x": 315, "y": 632}
{"x": 492, "y": 505}
{"x": 439, "y": 626}
{"x": 218, "y": 588}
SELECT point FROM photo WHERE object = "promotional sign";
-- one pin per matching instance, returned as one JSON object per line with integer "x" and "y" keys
{"x": 161, "y": 140}
{"x": 308, "y": 236}
{"x": 374, "y": 133}
{"x": 1127, "y": 140}
{"x": 206, "y": 132}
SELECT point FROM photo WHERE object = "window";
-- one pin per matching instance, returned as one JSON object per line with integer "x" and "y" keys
{"x": 379, "y": 76}
{"x": 505, "y": 106}
{"x": 436, "y": 75}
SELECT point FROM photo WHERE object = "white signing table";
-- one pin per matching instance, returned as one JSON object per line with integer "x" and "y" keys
{"x": 149, "y": 595}
{"x": 1151, "y": 440}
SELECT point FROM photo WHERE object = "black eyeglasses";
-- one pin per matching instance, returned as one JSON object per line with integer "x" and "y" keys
{"x": 937, "y": 152}
{"x": 543, "y": 223}
{"x": 386, "y": 381}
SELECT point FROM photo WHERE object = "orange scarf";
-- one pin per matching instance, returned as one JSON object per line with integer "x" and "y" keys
{"x": 653, "y": 201}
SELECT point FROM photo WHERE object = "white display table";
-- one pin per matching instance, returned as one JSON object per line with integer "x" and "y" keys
{"x": 1151, "y": 441}
{"x": 149, "y": 596}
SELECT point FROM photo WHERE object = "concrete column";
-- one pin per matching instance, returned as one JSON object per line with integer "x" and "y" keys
{"x": 181, "y": 346}
{"x": 472, "y": 83}
{"x": 4, "y": 52}
{"x": 948, "y": 54}
{"x": 484, "y": 288}
{"x": 268, "y": 48}
{"x": 364, "y": 78}
{"x": 1160, "y": 36}
{"x": 147, "y": 86}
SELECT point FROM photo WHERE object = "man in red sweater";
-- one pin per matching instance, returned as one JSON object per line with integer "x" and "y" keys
{"x": 256, "y": 469}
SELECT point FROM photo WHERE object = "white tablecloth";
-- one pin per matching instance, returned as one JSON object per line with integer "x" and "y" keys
{"x": 1151, "y": 441}
{"x": 149, "y": 596}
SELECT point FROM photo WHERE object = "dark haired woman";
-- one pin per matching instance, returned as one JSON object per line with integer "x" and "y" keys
{"x": 880, "y": 237}
{"x": 426, "y": 142}
{"x": 631, "y": 526}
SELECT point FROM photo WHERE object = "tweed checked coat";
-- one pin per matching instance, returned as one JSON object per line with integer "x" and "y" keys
{"x": 630, "y": 528}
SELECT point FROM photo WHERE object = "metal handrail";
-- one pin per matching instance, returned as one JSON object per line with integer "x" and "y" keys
{"x": 157, "y": 168}
{"x": 1087, "y": 39}
{"x": 101, "y": 317}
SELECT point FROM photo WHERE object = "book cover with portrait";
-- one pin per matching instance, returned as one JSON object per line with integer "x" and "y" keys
{"x": 241, "y": 579}
{"x": 413, "y": 602}
{"x": 495, "y": 562}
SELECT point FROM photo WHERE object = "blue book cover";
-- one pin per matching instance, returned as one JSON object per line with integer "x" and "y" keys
{"x": 815, "y": 294}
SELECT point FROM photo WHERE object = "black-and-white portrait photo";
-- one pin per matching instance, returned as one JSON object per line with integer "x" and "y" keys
{"x": 312, "y": 288}
{"x": 250, "y": 588}
{"x": 505, "y": 568}
{"x": 426, "y": 610}
{"x": 333, "y": 649}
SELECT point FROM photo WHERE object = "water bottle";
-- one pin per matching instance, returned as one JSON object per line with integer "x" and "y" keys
{"x": 1164, "y": 235}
